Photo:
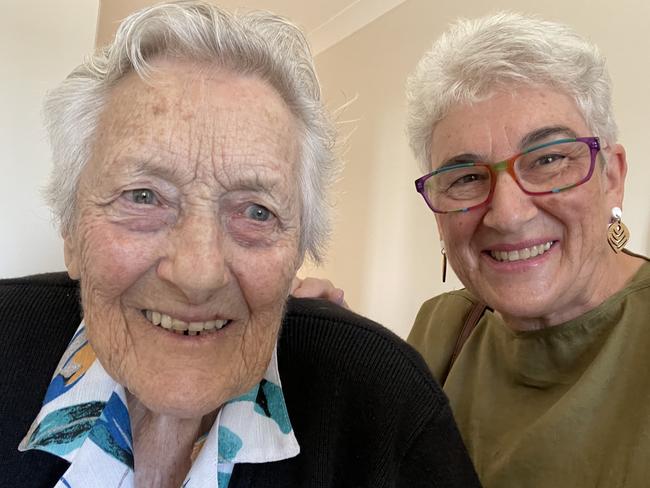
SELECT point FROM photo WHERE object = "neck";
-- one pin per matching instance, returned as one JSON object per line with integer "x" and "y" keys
{"x": 612, "y": 278}
{"x": 162, "y": 445}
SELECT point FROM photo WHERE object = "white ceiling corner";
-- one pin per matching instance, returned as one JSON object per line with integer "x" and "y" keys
{"x": 354, "y": 16}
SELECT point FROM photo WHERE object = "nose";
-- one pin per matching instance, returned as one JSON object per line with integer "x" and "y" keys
{"x": 195, "y": 262}
{"x": 510, "y": 208}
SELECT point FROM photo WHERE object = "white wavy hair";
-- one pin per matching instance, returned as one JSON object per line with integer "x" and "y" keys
{"x": 258, "y": 43}
{"x": 475, "y": 58}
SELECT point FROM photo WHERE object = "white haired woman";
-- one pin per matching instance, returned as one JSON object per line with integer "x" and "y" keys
{"x": 543, "y": 355}
{"x": 191, "y": 159}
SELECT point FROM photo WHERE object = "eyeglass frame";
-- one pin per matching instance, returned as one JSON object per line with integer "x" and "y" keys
{"x": 508, "y": 165}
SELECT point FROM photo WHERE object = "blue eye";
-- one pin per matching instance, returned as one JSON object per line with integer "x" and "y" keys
{"x": 257, "y": 212}
{"x": 143, "y": 196}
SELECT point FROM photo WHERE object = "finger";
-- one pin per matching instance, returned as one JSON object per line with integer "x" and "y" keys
{"x": 314, "y": 288}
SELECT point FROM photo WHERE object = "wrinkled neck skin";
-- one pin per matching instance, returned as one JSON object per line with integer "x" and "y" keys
{"x": 609, "y": 280}
{"x": 162, "y": 445}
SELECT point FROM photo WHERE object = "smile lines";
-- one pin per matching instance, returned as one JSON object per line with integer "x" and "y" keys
{"x": 521, "y": 254}
{"x": 184, "y": 328}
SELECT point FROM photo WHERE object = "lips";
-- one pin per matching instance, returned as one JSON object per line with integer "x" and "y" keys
{"x": 521, "y": 254}
{"x": 181, "y": 327}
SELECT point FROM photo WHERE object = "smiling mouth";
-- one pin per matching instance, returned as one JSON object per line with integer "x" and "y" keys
{"x": 521, "y": 254}
{"x": 180, "y": 327}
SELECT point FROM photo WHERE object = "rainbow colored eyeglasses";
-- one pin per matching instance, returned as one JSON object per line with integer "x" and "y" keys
{"x": 545, "y": 169}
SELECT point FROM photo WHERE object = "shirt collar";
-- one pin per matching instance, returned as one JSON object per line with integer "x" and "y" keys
{"x": 85, "y": 420}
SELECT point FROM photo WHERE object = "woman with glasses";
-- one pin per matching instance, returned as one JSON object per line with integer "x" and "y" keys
{"x": 544, "y": 354}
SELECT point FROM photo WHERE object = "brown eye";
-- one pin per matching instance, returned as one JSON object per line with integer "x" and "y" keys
{"x": 549, "y": 159}
{"x": 143, "y": 196}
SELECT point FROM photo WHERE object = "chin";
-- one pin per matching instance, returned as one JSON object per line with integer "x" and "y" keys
{"x": 185, "y": 397}
{"x": 179, "y": 405}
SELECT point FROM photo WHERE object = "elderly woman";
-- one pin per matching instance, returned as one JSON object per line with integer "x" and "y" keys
{"x": 511, "y": 119}
{"x": 191, "y": 157}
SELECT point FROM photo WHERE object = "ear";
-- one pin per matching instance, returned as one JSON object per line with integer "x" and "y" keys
{"x": 614, "y": 176}
{"x": 71, "y": 256}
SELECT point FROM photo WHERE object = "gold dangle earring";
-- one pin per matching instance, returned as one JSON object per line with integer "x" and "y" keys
{"x": 617, "y": 233}
{"x": 444, "y": 260}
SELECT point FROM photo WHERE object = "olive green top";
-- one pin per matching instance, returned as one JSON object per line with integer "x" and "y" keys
{"x": 565, "y": 406}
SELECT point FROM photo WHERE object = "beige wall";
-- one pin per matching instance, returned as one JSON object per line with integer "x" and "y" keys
{"x": 111, "y": 13}
{"x": 385, "y": 251}
{"x": 40, "y": 42}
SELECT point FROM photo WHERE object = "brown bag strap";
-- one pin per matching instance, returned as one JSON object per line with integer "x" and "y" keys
{"x": 475, "y": 314}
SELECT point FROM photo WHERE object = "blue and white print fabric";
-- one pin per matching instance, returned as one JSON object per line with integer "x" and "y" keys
{"x": 85, "y": 420}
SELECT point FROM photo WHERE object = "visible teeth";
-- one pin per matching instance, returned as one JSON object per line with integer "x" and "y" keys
{"x": 181, "y": 327}
{"x": 196, "y": 326}
{"x": 155, "y": 318}
{"x": 179, "y": 324}
{"x": 521, "y": 254}
{"x": 165, "y": 321}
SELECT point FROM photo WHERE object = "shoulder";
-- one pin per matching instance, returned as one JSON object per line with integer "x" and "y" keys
{"x": 339, "y": 346}
{"x": 39, "y": 309}
{"x": 38, "y": 315}
{"x": 346, "y": 336}
{"x": 437, "y": 326}
{"x": 59, "y": 279}
{"x": 363, "y": 404}
{"x": 451, "y": 303}
{"x": 16, "y": 293}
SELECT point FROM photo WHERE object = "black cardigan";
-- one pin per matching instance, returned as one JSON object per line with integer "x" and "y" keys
{"x": 365, "y": 410}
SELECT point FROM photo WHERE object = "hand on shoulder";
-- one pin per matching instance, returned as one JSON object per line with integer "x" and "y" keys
{"x": 318, "y": 288}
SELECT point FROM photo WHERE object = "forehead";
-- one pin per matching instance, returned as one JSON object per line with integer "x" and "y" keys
{"x": 500, "y": 125}
{"x": 195, "y": 119}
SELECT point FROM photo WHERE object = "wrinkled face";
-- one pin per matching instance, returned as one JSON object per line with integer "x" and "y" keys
{"x": 188, "y": 218}
{"x": 568, "y": 228}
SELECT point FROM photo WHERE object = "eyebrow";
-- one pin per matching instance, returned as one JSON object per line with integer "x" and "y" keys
{"x": 142, "y": 166}
{"x": 541, "y": 135}
{"x": 249, "y": 178}
{"x": 460, "y": 159}
{"x": 149, "y": 167}
{"x": 254, "y": 179}
{"x": 535, "y": 137}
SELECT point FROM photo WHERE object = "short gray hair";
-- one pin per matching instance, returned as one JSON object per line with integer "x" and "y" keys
{"x": 475, "y": 58}
{"x": 258, "y": 43}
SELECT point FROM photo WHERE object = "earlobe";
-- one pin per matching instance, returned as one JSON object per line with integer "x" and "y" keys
{"x": 70, "y": 256}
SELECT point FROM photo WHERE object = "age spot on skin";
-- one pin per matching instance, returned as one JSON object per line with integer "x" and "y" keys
{"x": 159, "y": 108}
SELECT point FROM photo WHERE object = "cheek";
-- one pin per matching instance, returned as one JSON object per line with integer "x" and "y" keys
{"x": 112, "y": 259}
{"x": 582, "y": 215}
{"x": 458, "y": 231}
{"x": 265, "y": 275}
